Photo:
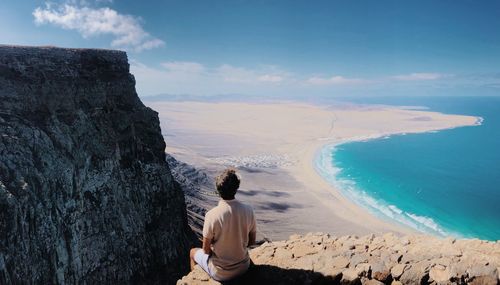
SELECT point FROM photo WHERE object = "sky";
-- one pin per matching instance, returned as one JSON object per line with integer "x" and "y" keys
{"x": 279, "y": 48}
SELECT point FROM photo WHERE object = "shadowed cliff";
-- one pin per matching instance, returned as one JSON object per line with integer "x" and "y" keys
{"x": 86, "y": 195}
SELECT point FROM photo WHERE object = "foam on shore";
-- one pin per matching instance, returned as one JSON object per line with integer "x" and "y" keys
{"x": 325, "y": 167}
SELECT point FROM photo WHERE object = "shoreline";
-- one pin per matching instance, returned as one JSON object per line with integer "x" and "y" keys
{"x": 290, "y": 197}
{"x": 373, "y": 205}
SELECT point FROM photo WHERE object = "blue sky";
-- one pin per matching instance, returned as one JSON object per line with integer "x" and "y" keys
{"x": 279, "y": 48}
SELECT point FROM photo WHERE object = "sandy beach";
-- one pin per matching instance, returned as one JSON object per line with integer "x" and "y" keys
{"x": 274, "y": 146}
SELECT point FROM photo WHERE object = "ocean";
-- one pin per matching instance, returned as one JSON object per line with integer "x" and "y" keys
{"x": 445, "y": 183}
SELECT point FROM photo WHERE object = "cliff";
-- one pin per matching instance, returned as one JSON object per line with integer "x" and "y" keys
{"x": 86, "y": 195}
{"x": 388, "y": 259}
{"x": 199, "y": 192}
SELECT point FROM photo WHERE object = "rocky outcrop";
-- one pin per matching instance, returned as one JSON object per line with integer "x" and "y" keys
{"x": 388, "y": 259}
{"x": 199, "y": 192}
{"x": 86, "y": 196}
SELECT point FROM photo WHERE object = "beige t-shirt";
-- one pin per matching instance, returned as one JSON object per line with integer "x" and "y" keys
{"x": 228, "y": 226}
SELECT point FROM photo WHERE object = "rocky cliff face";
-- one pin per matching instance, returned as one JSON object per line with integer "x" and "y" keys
{"x": 388, "y": 259}
{"x": 86, "y": 195}
{"x": 199, "y": 192}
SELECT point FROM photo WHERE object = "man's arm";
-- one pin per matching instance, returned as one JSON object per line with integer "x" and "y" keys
{"x": 206, "y": 245}
{"x": 251, "y": 238}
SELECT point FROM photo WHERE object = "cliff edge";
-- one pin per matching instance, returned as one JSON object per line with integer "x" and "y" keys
{"x": 86, "y": 195}
{"x": 387, "y": 259}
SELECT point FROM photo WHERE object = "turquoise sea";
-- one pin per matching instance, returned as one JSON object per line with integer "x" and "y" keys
{"x": 443, "y": 183}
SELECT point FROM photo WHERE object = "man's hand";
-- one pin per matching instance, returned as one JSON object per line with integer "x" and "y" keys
{"x": 206, "y": 245}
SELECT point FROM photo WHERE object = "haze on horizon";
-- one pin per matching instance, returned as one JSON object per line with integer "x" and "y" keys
{"x": 279, "y": 48}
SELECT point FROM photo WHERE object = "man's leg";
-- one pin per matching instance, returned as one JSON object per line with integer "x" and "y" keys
{"x": 192, "y": 252}
{"x": 201, "y": 258}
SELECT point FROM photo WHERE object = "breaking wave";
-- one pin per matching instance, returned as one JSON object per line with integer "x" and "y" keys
{"x": 324, "y": 166}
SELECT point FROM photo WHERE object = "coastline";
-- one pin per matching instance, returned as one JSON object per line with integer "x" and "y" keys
{"x": 291, "y": 196}
{"x": 381, "y": 209}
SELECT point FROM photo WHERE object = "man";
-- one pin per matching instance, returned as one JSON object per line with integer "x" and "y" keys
{"x": 228, "y": 230}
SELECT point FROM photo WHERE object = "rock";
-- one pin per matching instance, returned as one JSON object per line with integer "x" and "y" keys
{"x": 440, "y": 274}
{"x": 282, "y": 254}
{"x": 398, "y": 270}
{"x": 396, "y": 257}
{"x": 482, "y": 270}
{"x": 382, "y": 276}
{"x": 416, "y": 273}
{"x": 350, "y": 276}
{"x": 363, "y": 269}
{"x": 376, "y": 265}
{"x": 405, "y": 241}
{"x": 443, "y": 261}
{"x": 372, "y": 282}
{"x": 305, "y": 263}
{"x": 335, "y": 263}
{"x": 484, "y": 280}
{"x": 330, "y": 272}
{"x": 486, "y": 274}
{"x": 302, "y": 249}
{"x": 86, "y": 196}
{"x": 198, "y": 192}
{"x": 340, "y": 262}
{"x": 359, "y": 258}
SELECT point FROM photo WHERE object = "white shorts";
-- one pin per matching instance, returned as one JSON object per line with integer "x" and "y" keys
{"x": 201, "y": 259}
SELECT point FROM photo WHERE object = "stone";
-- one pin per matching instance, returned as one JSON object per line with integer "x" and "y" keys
{"x": 482, "y": 270}
{"x": 87, "y": 196}
{"x": 340, "y": 262}
{"x": 376, "y": 265}
{"x": 282, "y": 254}
{"x": 382, "y": 276}
{"x": 359, "y": 258}
{"x": 443, "y": 261}
{"x": 451, "y": 251}
{"x": 335, "y": 264}
{"x": 440, "y": 274}
{"x": 416, "y": 273}
{"x": 350, "y": 276}
{"x": 372, "y": 282}
{"x": 302, "y": 249}
{"x": 363, "y": 269}
{"x": 305, "y": 263}
{"x": 331, "y": 272}
{"x": 484, "y": 280}
{"x": 398, "y": 270}
{"x": 405, "y": 241}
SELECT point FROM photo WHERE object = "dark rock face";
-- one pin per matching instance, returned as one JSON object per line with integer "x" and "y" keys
{"x": 199, "y": 192}
{"x": 86, "y": 195}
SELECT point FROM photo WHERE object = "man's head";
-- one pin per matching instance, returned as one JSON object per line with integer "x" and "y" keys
{"x": 227, "y": 184}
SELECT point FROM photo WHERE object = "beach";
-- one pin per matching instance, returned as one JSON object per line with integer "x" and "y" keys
{"x": 274, "y": 146}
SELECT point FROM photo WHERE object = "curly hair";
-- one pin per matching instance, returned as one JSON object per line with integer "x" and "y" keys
{"x": 227, "y": 184}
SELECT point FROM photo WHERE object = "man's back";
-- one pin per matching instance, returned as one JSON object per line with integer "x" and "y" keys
{"x": 228, "y": 226}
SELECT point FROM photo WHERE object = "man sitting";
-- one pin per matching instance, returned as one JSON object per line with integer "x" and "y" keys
{"x": 228, "y": 230}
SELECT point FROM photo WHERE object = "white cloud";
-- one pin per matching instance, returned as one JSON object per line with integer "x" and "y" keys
{"x": 265, "y": 74}
{"x": 185, "y": 77}
{"x": 127, "y": 30}
{"x": 188, "y": 77}
{"x": 270, "y": 78}
{"x": 183, "y": 66}
{"x": 335, "y": 80}
{"x": 234, "y": 74}
{"x": 419, "y": 76}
